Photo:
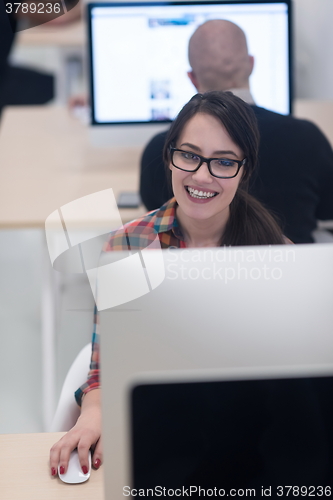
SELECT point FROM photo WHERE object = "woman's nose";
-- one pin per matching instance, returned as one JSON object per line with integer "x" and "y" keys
{"x": 203, "y": 175}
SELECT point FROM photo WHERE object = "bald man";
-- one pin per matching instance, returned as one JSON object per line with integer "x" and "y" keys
{"x": 219, "y": 57}
{"x": 295, "y": 174}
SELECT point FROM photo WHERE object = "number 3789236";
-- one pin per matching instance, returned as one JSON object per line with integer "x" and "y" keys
{"x": 33, "y": 8}
{"x": 301, "y": 491}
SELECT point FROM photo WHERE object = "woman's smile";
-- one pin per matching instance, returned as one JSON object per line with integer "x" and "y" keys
{"x": 199, "y": 194}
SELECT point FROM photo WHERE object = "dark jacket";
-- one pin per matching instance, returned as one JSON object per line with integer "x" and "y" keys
{"x": 7, "y": 30}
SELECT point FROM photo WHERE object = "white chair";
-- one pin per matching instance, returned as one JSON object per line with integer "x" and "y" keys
{"x": 67, "y": 411}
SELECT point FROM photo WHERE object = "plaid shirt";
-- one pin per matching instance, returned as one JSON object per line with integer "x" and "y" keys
{"x": 135, "y": 235}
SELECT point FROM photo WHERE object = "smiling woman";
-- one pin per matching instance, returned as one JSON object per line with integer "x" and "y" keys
{"x": 210, "y": 152}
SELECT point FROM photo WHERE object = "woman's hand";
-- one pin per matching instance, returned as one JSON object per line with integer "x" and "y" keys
{"x": 85, "y": 434}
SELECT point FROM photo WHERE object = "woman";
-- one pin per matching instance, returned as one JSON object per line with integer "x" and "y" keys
{"x": 210, "y": 153}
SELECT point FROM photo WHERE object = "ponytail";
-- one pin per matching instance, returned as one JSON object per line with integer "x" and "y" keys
{"x": 250, "y": 223}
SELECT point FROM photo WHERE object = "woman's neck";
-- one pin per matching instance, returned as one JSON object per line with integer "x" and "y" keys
{"x": 202, "y": 233}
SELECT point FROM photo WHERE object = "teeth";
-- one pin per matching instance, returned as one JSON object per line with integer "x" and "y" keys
{"x": 200, "y": 194}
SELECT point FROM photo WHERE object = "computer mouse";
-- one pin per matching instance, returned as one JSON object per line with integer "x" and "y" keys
{"x": 74, "y": 474}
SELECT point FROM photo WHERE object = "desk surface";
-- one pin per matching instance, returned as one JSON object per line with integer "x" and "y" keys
{"x": 47, "y": 161}
{"x": 24, "y": 465}
{"x": 70, "y": 35}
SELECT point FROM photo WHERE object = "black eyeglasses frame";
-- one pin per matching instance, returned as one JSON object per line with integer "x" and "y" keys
{"x": 207, "y": 160}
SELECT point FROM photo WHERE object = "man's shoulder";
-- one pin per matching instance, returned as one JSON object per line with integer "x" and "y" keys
{"x": 153, "y": 150}
{"x": 158, "y": 140}
{"x": 288, "y": 123}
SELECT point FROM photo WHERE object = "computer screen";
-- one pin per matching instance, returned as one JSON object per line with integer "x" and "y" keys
{"x": 139, "y": 55}
{"x": 233, "y": 436}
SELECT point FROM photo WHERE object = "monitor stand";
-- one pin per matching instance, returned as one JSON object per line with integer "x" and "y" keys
{"x": 136, "y": 135}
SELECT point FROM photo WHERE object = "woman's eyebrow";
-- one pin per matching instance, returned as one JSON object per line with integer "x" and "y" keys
{"x": 192, "y": 146}
{"x": 196, "y": 148}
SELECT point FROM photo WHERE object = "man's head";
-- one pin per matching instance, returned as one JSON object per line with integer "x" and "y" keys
{"x": 219, "y": 57}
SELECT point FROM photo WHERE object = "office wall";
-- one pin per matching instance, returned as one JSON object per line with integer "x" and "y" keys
{"x": 313, "y": 39}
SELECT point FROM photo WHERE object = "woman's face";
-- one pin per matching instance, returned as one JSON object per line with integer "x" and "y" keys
{"x": 205, "y": 135}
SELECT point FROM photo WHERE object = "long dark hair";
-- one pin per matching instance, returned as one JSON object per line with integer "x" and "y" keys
{"x": 249, "y": 222}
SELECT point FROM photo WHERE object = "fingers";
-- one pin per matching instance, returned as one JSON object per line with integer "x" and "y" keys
{"x": 83, "y": 449}
{"x": 60, "y": 453}
{"x": 85, "y": 434}
{"x": 97, "y": 457}
{"x": 65, "y": 454}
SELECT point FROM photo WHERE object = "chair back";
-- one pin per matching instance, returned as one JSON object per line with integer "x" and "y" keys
{"x": 68, "y": 411}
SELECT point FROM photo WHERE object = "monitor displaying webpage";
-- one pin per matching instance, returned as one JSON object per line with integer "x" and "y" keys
{"x": 139, "y": 56}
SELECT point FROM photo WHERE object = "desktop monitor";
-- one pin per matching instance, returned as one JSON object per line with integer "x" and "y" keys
{"x": 251, "y": 325}
{"x": 139, "y": 61}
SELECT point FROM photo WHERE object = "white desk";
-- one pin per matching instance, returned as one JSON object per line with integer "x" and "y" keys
{"x": 46, "y": 161}
{"x": 25, "y": 471}
{"x": 68, "y": 35}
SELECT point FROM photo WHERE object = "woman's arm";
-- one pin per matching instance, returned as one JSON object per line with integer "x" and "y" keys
{"x": 85, "y": 434}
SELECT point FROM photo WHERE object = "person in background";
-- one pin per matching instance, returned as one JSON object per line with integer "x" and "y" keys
{"x": 24, "y": 86}
{"x": 210, "y": 154}
{"x": 295, "y": 174}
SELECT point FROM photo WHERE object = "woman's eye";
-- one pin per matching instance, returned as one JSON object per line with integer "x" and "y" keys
{"x": 226, "y": 163}
{"x": 190, "y": 156}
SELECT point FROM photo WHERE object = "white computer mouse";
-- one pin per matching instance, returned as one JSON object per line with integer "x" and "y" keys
{"x": 74, "y": 474}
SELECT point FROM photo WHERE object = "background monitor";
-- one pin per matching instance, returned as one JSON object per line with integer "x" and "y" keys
{"x": 139, "y": 60}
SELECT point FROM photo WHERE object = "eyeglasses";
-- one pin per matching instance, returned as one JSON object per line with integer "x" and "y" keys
{"x": 223, "y": 168}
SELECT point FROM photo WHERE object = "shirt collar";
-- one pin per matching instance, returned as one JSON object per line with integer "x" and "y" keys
{"x": 165, "y": 219}
{"x": 243, "y": 94}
